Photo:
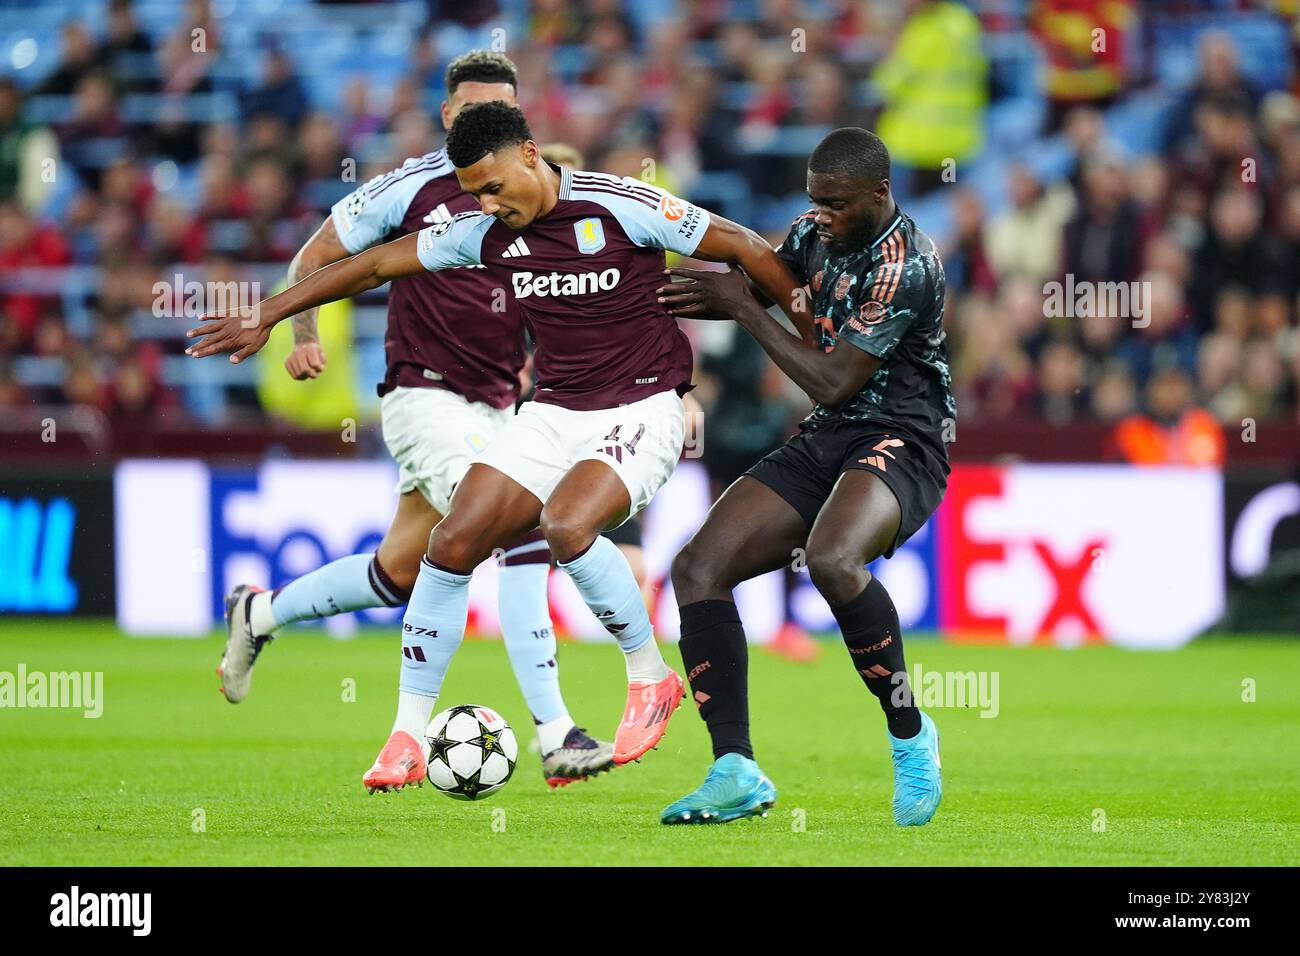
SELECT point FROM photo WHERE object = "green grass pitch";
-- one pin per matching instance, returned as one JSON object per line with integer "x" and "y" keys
{"x": 1162, "y": 744}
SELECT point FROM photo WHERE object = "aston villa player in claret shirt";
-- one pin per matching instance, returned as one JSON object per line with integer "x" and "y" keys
{"x": 450, "y": 385}
{"x": 866, "y": 470}
{"x": 584, "y": 256}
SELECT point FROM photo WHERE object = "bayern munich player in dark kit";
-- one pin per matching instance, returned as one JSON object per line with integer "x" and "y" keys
{"x": 867, "y": 468}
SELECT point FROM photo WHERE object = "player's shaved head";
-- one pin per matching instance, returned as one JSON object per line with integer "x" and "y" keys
{"x": 851, "y": 151}
{"x": 481, "y": 66}
{"x": 848, "y": 183}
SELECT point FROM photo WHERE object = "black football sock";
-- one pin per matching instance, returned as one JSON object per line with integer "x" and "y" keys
{"x": 869, "y": 624}
{"x": 716, "y": 658}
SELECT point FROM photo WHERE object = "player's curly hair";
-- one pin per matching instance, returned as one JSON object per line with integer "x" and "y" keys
{"x": 851, "y": 151}
{"x": 483, "y": 128}
{"x": 481, "y": 66}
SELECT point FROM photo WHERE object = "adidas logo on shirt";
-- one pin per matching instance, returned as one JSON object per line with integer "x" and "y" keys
{"x": 516, "y": 248}
{"x": 440, "y": 214}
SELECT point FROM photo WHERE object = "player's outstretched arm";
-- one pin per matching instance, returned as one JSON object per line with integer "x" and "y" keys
{"x": 736, "y": 245}
{"x": 307, "y": 360}
{"x": 245, "y": 331}
{"x": 831, "y": 378}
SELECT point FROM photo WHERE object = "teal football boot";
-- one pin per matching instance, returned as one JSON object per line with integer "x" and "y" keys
{"x": 734, "y": 788}
{"x": 917, "y": 786}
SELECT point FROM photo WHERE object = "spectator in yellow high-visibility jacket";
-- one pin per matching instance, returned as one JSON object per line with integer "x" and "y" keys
{"x": 326, "y": 403}
{"x": 933, "y": 84}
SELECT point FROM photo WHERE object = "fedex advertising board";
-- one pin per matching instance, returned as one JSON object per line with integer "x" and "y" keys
{"x": 1021, "y": 553}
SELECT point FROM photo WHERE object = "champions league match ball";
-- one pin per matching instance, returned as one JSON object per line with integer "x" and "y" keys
{"x": 472, "y": 751}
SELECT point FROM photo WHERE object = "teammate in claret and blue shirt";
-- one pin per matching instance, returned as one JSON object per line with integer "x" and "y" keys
{"x": 585, "y": 256}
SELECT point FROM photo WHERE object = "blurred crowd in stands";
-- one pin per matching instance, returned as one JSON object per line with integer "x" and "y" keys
{"x": 120, "y": 162}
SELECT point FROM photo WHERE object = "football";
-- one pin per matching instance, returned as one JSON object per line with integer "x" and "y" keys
{"x": 472, "y": 751}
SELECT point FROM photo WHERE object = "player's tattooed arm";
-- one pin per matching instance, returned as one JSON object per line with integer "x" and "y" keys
{"x": 307, "y": 360}
{"x": 245, "y": 331}
{"x": 831, "y": 378}
{"x": 726, "y": 241}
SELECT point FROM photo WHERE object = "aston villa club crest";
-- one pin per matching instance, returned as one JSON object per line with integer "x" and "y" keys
{"x": 591, "y": 236}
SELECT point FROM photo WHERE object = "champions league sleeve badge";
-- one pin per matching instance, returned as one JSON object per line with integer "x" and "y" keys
{"x": 591, "y": 236}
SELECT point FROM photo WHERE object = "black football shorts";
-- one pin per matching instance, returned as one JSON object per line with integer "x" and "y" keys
{"x": 804, "y": 470}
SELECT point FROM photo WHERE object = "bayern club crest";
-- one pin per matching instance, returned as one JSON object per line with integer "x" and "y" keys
{"x": 591, "y": 236}
{"x": 872, "y": 312}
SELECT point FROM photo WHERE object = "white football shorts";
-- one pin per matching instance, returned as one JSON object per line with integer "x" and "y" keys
{"x": 641, "y": 441}
{"x": 434, "y": 435}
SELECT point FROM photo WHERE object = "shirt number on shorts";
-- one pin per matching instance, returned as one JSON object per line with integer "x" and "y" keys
{"x": 614, "y": 448}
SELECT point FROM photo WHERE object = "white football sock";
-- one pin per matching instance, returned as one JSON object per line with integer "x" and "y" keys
{"x": 646, "y": 664}
{"x": 260, "y": 618}
{"x": 551, "y": 734}
{"x": 414, "y": 711}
